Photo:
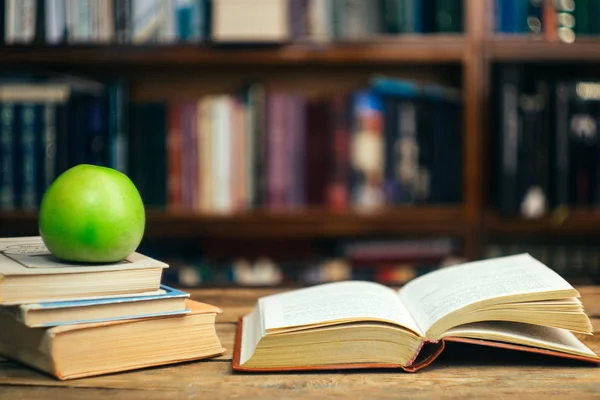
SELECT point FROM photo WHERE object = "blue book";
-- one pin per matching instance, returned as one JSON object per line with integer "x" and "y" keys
{"x": 164, "y": 302}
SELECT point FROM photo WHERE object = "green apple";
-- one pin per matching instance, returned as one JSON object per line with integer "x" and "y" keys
{"x": 92, "y": 214}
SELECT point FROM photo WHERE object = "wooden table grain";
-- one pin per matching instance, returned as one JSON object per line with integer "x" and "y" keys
{"x": 461, "y": 372}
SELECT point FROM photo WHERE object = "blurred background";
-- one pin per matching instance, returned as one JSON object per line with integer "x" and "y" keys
{"x": 291, "y": 142}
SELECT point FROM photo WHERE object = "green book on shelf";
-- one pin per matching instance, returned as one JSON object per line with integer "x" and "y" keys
{"x": 448, "y": 16}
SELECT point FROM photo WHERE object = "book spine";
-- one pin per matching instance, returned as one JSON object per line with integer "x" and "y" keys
{"x": 184, "y": 19}
{"x": 276, "y": 163}
{"x": 583, "y": 145}
{"x": 550, "y": 21}
{"x": 439, "y": 131}
{"x": 260, "y": 144}
{"x": 583, "y": 17}
{"x": 186, "y": 159}
{"x": 29, "y": 159}
{"x": 390, "y": 10}
{"x": 96, "y": 134}
{"x": 156, "y": 154}
{"x": 122, "y": 12}
{"x": 39, "y": 22}
{"x": 337, "y": 192}
{"x": 3, "y": 18}
{"x": 449, "y": 16}
{"x": 197, "y": 22}
{"x": 235, "y": 159}
{"x": 7, "y": 145}
{"x": 407, "y": 155}
{"x": 168, "y": 28}
{"x": 201, "y": 116}
{"x": 534, "y": 23}
{"x": 62, "y": 139}
{"x": 43, "y": 158}
{"x": 174, "y": 156}
{"x": 118, "y": 141}
{"x": 390, "y": 130}
{"x": 49, "y": 148}
{"x": 206, "y": 155}
{"x": 510, "y": 140}
{"x": 367, "y": 151}
{"x": 222, "y": 141}
{"x": 55, "y": 21}
{"x": 561, "y": 195}
{"x": 10, "y": 21}
{"x": 192, "y": 111}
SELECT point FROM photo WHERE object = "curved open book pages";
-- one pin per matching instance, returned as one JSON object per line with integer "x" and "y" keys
{"x": 500, "y": 300}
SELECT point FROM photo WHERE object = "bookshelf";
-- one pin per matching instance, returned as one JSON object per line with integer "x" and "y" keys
{"x": 463, "y": 59}
{"x": 303, "y": 224}
{"x": 527, "y": 49}
{"x": 443, "y": 48}
{"x": 568, "y": 223}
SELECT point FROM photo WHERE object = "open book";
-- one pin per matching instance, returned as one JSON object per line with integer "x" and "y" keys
{"x": 515, "y": 302}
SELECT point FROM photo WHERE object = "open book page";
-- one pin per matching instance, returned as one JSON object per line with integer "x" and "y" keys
{"x": 523, "y": 334}
{"x": 435, "y": 295}
{"x": 333, "y": 303}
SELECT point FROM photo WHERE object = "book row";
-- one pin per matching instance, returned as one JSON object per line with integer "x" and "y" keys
{"x": 554, "y": 20}
{"x": 220, "y": 21}
{"x": 371, "y": 148}
{"x": 547, "y": 143}
{"x": 384, "y": 261}
{"x": 51, "y": 125}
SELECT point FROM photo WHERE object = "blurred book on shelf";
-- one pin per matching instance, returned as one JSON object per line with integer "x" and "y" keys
{"x": 389, "y": 261}
{"x": 50, "y": 124}
{"x": 553, "y": 20}
{"x": 577, "y": 260}
{"x": 221, "y": 21}
{"x": 547, "y": 143}
{"x": 264, "y": 149}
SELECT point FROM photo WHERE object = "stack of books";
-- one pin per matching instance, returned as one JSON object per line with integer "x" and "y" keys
{"x": 73, "y": 321}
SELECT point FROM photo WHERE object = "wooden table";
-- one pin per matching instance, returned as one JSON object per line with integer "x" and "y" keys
{"x": 461, "y": 372}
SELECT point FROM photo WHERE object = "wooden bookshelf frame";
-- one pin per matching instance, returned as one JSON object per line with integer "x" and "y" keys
{"x": 474, "y": 52}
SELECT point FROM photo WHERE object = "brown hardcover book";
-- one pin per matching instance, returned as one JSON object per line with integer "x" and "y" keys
{"x": 513, "y": 302}
{"x": 76, "y": 351}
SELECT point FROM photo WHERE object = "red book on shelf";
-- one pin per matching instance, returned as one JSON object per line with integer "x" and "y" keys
{"x": 337, "y": 188}
{"x": 174, "y": 156}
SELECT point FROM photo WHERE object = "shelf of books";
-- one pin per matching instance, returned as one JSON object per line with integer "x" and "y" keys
{"x": 287, "y": 224}
{"x": 559, "y": 223}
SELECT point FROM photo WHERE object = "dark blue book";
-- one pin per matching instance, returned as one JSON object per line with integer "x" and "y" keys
{"x": 166, "y": 301}
{"x": 443, "y": 105}
{"x": 7, "y": 151}
{"x": 401, "y": 137}
{"x": 28, "y": 171}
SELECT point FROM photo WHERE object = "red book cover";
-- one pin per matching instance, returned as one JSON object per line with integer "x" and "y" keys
{"x": 337, "y": 188}
{"x": 174, "y": 157}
